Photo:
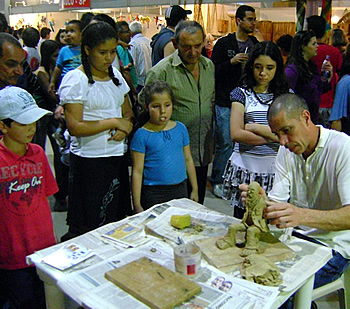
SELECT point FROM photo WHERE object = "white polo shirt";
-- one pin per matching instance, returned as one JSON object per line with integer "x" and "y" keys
{"x": 322, "y": 182}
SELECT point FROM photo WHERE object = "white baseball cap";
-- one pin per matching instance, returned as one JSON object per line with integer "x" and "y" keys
{"x": 18, "y": 105}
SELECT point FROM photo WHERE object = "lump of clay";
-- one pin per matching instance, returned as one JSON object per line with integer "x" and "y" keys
{"x": 180, "y": 221}
{"x": 259, "y": 269}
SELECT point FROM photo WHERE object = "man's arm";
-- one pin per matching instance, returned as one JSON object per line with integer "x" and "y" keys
{"x": 191, "y": 172}
{"x": 251, "y": 133}
{"x": 168, "y": 49}
{"x": 153, "y": 76}
{"x": 340, "y": 104}
{"x": 285, "y": 215}
{"x": 57, "y": 72}
{"x": 33, "y": 85}
{"x": 291, "y": 76}
{"x": 223, "y": 64}
{"x": 138, "y": 160}
{"x": 336, "y": 125}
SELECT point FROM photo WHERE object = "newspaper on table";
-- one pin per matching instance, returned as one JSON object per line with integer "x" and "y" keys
{"x": 203, "y": 225}
{"x": 126, "y": 235}
{"x": 85, "y": 282}
{"x": 219, "y": 290}
{"x": 94, "y": 241}
{"x": 304, "y": 264}
{"x": 293, "y": 271}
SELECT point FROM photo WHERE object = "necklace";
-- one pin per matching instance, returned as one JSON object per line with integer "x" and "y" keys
{"x": 268, "y": 97}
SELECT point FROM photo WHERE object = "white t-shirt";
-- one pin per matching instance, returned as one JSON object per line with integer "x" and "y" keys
{"x": 32, "y": 57}
{"x": 101, "y": 100}
{"x": 322, "y": 182}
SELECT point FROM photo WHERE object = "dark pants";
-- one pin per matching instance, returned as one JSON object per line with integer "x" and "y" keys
{"x": 202, "y": 175}
{"x": 47, "y": 125}
{"x": 152, "y": 195}
{"x": 21, "y": 289}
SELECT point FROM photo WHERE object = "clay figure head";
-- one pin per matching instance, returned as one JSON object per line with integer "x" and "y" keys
{"x": 253, "y": 194}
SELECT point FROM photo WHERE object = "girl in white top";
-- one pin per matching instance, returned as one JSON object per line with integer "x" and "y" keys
{"x": 98, "y": 116}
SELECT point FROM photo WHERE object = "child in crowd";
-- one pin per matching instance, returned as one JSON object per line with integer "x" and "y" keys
{"x": 160, "y": 152}
{"x": 46, "y": 99}
{"x": 26, "y": 182}
{"x": 30, "y": 37}
{"x": 69, "y": 57}
{"x": 99, "y": 118}
{"x": 255, "y": 149}
{"x": 124, "y": 36}
{"x": 61, "y": 37}
{"x": 47, "y": 126}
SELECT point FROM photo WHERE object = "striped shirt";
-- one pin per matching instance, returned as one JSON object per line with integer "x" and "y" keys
{"x": 256, "y": 106}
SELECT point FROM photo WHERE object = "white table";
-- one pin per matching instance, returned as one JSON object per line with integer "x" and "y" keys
{"x": 56, "y": 299}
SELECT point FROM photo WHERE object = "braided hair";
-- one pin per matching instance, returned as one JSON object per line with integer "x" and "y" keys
{"x": 93, "y": 35}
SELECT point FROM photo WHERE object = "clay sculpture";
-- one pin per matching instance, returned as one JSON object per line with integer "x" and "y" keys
{"x": 253, "y": 223}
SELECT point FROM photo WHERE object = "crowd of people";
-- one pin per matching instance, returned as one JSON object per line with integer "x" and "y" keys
{"x": 107, "y": 97}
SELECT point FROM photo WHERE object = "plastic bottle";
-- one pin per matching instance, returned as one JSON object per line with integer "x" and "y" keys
{"x": 324, "y": 73}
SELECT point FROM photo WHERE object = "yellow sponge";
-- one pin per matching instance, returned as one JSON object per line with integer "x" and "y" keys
{"x": 180, "y": 222}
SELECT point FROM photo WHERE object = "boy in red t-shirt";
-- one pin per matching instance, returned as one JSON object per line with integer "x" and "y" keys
{"x": 26, "y": 181}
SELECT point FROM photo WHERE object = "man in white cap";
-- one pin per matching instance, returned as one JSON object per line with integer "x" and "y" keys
{"x": 161, "y": 44}
{"x": 26, "y": 180}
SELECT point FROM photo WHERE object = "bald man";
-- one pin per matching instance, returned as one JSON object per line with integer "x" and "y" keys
{"x": 311, "y": 187}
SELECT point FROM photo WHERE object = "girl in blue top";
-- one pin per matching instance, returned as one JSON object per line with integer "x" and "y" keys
{"x": 161, "y": 153}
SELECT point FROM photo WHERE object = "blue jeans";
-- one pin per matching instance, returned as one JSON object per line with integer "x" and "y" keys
{"x": 223, "y": 143}
{"x": 331, "y": 271}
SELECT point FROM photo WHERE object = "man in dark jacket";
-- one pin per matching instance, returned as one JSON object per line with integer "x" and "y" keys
{"x": 161, "y": 44}
{"x": 229, "y": 56}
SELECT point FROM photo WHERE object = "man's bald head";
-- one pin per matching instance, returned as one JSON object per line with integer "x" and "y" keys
{"x": 291, "y": 104}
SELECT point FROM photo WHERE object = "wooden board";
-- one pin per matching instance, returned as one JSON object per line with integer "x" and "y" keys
{"x": 153, "y": 284}
{"x": 230, "y": 259}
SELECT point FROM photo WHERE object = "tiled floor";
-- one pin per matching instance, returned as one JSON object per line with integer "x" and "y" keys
{"x": 212, "y": 202}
